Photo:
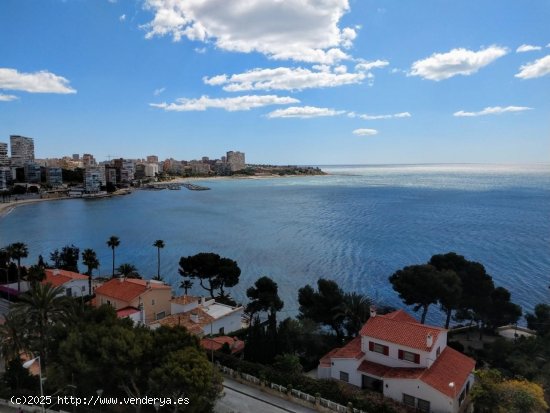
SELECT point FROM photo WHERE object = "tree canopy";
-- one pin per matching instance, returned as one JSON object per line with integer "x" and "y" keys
{"x": 214, "y": 273}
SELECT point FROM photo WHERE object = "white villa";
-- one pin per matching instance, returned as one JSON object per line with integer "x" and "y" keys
{"x": 201, "y": 316}
{"x": 406, "y": 361}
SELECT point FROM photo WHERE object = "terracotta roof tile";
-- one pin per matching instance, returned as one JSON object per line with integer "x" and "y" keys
{"x": 451, "y": 366}
{"x": 325, "y": 360}
{"x": 217, "y": 343}
{"x": 373, "y": 369}
{"x": 352, "y": 350}
{"x": 185, "y": 320}
{"x": 126, "y": 311}
{"x": 127, "y": 289}
{"x": 397, "y": 328}
{"x": 57, "y": 277}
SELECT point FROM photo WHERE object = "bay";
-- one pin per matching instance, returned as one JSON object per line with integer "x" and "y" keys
{"x": 357, "y": 226}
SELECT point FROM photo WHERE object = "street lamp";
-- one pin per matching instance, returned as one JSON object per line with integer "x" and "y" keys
{"x": 27, "y": 364}
{"x": 452, "y": 385}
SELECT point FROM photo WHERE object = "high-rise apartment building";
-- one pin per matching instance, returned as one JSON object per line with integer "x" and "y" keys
{"x": 33, "y": 173}
{"x": 152, "y": 159}
{"x": 22, "y": 150}
{"x": 5, "y": 178}
{"x": 235, "y": 160}
{"x": 94, "y": 178}
{"x": 88, "y": 160}
{"x": 54, "y": 176}
{"x": 4, "y": 160}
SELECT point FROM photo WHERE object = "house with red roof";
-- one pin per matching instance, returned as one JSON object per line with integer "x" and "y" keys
{"x": 406, "y": 361}
{"x": 235, "y": 345}
{"x": 72, "y": 283}
{"x": 143, "y": 300}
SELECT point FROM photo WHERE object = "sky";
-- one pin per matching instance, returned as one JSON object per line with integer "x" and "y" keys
{"x": 314, "y": 82}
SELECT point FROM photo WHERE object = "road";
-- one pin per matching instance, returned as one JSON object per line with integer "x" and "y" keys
{"x": 239, "y": 398}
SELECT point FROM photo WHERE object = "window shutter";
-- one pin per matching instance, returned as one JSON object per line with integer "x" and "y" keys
{"x": 400, "y": 355}
{"x": 371, "y": 346}
{"x": 417, "y": 358}
{"x": 386, "y": 350}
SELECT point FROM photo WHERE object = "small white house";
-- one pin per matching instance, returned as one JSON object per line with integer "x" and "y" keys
{"x": 202, "y": 317}
{"x": 73, "y": 283}
{"x": 406, "y": 361}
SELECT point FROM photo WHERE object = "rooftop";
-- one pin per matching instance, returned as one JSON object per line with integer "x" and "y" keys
{"x": 217, "y": 343}
{"x": 400, "y": 328}
{"x": 127, "y": 289}
{"x": 57, "y": 277}
{"x": 184, "y": 299}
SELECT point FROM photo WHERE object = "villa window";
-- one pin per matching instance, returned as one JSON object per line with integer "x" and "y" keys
{"x": 344, "y": 376}
{"x": 69, "y": 292}
{"x": 423, "y": 405}
{"x": 160, "y": 315}
{"x": 438, "y": 352}
{"x": 222, "y": 331}
{"x": 409, "y": 400}
{"x": 408, "y": 356}
{"x": 462, "y": 397}
{"x": 379, "y": 348}
{"x": 152, "y": 302}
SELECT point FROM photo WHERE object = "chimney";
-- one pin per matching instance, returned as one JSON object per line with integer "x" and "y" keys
{"x": 194, "y": 317}
{"x": 56, "y": 272}
{"x": 148, "y": 284}
{"x": 429, "y": 340}
{"x": 372, "y": 311}
{"x": 120, "y": 279}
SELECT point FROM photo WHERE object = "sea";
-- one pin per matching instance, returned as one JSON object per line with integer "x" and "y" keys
{"x": 357, "y": 226}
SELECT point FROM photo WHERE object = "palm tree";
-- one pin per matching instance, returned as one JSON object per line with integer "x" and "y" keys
{"x": 158, "y": 244}
{"x": 128, "y": 270}
{"x": 186, "y": 285}
{"x": 355, "y": 309}
{"x": 90, "y": 260}
{"x": 112, "y": 243}
{"x": 42, "y": 307}
{"x": 18, "y": 250}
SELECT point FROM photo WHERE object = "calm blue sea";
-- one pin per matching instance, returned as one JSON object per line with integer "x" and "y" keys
{"x": 357, "y": 226}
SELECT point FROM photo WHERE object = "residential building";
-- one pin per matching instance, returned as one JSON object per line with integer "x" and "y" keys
{"x": 110, "y": 175}
{"x": 202, "y": 317}
{"x": 94, "y": 178}
{"x": 88, "y": 160}
{"x": 152, "y": 159}
{"x": 406, "y": 361}
{"x": 5, "y": 178}
{"x": 4, "y": 160}
{"x": 236, "y": 160}
{"x": 235, "y": 345}
{"x": 54, "y": 176}
{"x": 22, "y": 150}
{"x": 199, "y": 168}
{"x": 73, "y": 283}
{"x": 151, "y": 170}
{"x": 151, "y": 298}
{"x": 33, "y": 173}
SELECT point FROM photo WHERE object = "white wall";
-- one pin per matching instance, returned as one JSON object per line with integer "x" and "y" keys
{"x": 441, "y": 342}
{"x": 439, "y": 403}
{"x": 349, "y": 366}
{"x": 392, "y": 359}
{"x": 79, "y": 288}
{"x": 183, "y": 308}
{"x": 230, "y": 323}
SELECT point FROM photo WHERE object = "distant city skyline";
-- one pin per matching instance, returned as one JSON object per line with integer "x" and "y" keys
{"x": 293, "y": 82}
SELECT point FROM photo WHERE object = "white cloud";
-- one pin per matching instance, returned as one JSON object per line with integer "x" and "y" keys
{"x": 376, "y": 64}
{"x": 527, "y": 48}
{"x": 365, "y": 132}
{"x": 285, "y": 78}
{"x": 538, "y": 68}
{"x": 230, "y": 104}
{"x": 200, "y": 50}
{"x": 465, "y": 62}
{"x": 492, "y": 110}
{"x": 375, "y": 117}
{"x": 122, "y": 18}
{"x": 7, "y": 98}
{"x": 304, "y": 112}
{"x": 301, "y": 30}
{"x": 38, "y": 82}
{"x": 158, "y": 91}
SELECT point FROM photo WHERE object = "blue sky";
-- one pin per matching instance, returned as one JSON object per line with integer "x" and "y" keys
{"x": 285, "y": 81}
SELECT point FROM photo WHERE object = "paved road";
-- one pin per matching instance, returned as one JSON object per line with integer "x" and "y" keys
{"x": 239, "y": 398}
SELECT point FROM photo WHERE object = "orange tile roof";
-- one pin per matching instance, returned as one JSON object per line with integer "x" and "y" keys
{"x": 127, "y": 289}
{"x": 184, "y": 320}
{"x": 217, "y": 343}
{"x": 126, "y": 311}
{"x": 184, "y": 299}
{"x": 350, "y": 350}
{"x": 398, "y": 328}
{"x": 57, "y": 277}
{"x": 325, "y": 360}
{"x": 451, "y": 366}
